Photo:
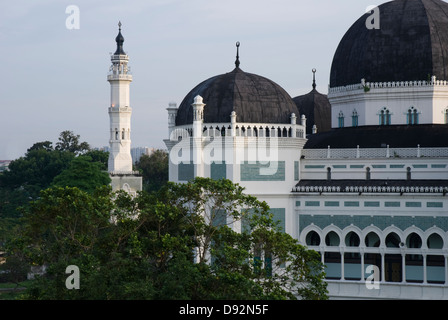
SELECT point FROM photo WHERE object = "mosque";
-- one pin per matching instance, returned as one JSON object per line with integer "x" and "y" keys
{"x": 359, "y": 175}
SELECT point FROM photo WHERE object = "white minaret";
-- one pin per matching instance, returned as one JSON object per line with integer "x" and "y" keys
{"x": 120, "y": 111}
{"x": 120, "y": 160}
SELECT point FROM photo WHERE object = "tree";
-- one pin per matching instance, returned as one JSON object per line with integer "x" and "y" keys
{"x": 35, "y": 171}
{"x": 154, "y": 170}
{"x": 248, "y": 254}
{"x": 45, "y": 145}
{"x": 83, "y": 173}
{"x": 68, "y": 141}
{"x": 65, "y": 226}
{"x": 205, "y": 239}
{"x": 99, "y": 156}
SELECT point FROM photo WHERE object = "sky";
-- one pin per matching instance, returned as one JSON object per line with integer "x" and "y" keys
{"x": 53, "y": 77}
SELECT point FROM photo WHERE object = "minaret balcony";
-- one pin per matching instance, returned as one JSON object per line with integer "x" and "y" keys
{"x": 119, "y": 76}
{"x": 118, "y": 57}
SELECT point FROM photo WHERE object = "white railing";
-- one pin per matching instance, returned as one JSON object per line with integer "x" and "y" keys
{"x": 244, "y": 130}
{"x": 371, "y": 189}
{"x": 350, "y": 87}
{"x": 124, "y": 173}
{"x": 119, "y": 57}
{"x": 390, "y": 84}
{"x": 115, "y": 76}
{"x": 373, "y": 153}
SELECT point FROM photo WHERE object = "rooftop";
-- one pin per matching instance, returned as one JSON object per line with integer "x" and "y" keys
{"x": 394, "y": 136}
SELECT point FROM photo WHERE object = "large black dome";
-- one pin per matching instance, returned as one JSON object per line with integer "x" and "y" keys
{"x": 255, "y": 99}
{"x": 411, "y": 44}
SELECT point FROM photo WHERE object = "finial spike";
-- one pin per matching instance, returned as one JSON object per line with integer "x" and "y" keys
{"x": 119, "y": 39}
{"x": 237, "y": 61}
{"x": 314, "y": 79}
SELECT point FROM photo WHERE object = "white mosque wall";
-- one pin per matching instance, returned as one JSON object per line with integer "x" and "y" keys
{"x": 368, "y": 100}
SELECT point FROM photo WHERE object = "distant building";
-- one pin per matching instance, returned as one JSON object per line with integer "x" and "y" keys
{"x": 136, "y": 153}
{"x": 4, "y": 165}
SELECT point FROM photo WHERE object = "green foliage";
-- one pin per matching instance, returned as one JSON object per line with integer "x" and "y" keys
{"x": 43, "y": 166}
{"x": 154, "y": 170}
{"x": 36, "y": 170}
{"x": 84, "y": 174}
{"x": 68, "y": 141}
{"x": 99, "y": 156}
{"x": 180, "y": 243}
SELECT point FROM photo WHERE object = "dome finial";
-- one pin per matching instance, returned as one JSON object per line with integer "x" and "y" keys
{"x": 119, "y": 39}
{"x": 314, "y": 78}
{"x": 237, "y": 61}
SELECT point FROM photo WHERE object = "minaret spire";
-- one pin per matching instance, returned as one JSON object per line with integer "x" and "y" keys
{"x": 237, "y": 61}
{"x": 119, "y": 39}
{"x": 314, "y": 79}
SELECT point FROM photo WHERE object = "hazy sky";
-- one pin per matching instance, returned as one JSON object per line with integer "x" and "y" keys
{"x": 54, "y": 79}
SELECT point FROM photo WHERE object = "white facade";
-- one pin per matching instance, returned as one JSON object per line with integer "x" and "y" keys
{"x": 413, "y": 102}
{"x": 357, "y": 222}
{"x": 359, "y": 208}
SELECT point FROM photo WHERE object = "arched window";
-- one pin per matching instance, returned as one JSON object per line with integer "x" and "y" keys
{"x": 435, "y": 241}
{"x": 412, "y": 116}
{"x": 372, "y": 240}
{"x": 312, "y": 239}
{"x": 352, "y": 239}
{"x": 367, "y": 173}
{"x": 341, "y": 120}
{"x": 332, "y": 239}
{"x": 354, "y": 118}
{"x": 385, "y": 117}
{"x": 445, "y": 113}
{"x": 392, "y": 240}
{"x": 413, "y": 241}
{"x": 328, "y": 174}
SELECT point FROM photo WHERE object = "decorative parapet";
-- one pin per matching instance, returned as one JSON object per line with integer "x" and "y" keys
{"x": 371, "y": 189}
{"x": 243, "y": 130}
{"x": 119, "y": 57}
{"x": 366, "y": 86}
{"x": 124, "y": 173}
{"x": 374, "y": 153}
{"x": 113, "y": 76}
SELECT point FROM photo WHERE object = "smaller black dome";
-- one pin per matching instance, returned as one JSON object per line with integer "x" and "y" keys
{"x": 255, "y": 99}
{"x": 317, "y": 110}
{"x": 119, "y": 39}
{"x": 316, "y": 107}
